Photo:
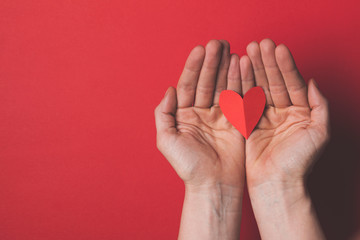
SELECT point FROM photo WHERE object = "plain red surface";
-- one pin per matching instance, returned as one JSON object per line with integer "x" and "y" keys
{"x": 79, "y": 81}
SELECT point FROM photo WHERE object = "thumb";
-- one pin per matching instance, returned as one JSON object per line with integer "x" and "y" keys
{"x": 165, "y": 113}
{"x": 319, "y": 108}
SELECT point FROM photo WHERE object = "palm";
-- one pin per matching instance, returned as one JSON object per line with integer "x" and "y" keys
{"x": 294, "y": 126}
{"x": 193, "y": 134}
{"x": 207, "y": 146}
{"x": 282, "y": 143}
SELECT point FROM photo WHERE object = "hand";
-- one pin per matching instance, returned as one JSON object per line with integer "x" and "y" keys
{"x": 295, "y": 124}
{"x": 282, "y": 149}
{"x": 192, "y": 133}
{"x": 205, "y": 150}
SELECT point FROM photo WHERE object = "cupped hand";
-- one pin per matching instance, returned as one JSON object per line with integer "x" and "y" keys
{"x": 192, "y": 133}
{"x": 295, "y": 125}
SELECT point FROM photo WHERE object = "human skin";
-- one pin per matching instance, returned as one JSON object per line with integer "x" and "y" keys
{"x": 205, "y": 150}
{"x": 209, "y": 154}
{"x": 285, "y": 145}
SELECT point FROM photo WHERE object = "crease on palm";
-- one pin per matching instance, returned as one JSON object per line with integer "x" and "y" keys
{"x": 207, "y": 125}
{"x": 287, "y": 119}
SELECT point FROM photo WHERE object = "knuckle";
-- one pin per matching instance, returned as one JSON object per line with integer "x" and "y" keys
{"x": 297, "y": 88}
{"x": 205, "y": 90}
{"x": 187, "y": 87}
{"x": 277, "y": 89}
{"x": 219, "y": 89}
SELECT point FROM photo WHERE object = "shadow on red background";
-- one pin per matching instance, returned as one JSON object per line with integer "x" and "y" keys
{"x": 334, "y": 181}
{"x": 334, "y": 184}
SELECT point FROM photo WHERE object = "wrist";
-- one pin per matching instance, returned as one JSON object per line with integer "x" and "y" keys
{"x": 211, "y": 212}
{"x": 283, "y": 210}
{"x": 280, "y": 195}
{"x": 221, "y": 197}
{"x": 284, "y": 188}
{"x": 215, "y": 190}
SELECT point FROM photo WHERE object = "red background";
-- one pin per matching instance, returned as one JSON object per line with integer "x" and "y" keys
{"x": 79, "y": 81}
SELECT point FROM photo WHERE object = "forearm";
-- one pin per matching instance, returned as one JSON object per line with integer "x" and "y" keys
{"x": 285, "y": 211}
{"x": 211, "y": 212}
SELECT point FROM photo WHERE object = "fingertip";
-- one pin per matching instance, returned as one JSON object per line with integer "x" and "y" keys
{"x": 253, "y": 49}
{"x": 244, "y": 61}
{"x": 252, "y": 46}
{"x": 225, "y": 43}
{"x": 312, "y": 94}
{"x": 224, "y": 62}
{"x": 214, "y": 45}
{"x": 312, "y": 85}
{"x": 245, "y": 66}
{"x": 170, "y": 101}
{"x": 316, "y": 98}
{"x": 234, "y": 69}
{"x": 170, "y": 89}
{"x": 234, "y": 60}
{"x": 165, "y": 115}
{"x": 319, "y": 111}
{"x": 282, "y": 46}
{"x": 267, "y": 45}
{"x": 282, "y": 52}
{"x": 315, "y": 83}
{"x": 198, "y": 53}
{"x": 195, "y": 59}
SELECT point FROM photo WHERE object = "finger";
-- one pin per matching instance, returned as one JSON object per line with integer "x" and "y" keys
{"x": 165, "y": 113}
{"x": 319, "y": 107}
{"x": 247, "y": 74}
{"x": 253, "y": 51}
{"x": 207, "y": 79}
{"x": 221, "y": 80}
{"x": 234, "y": 78}
{"x": 278, "y": 91}
{"x": 186, "y": 86}
{"x": 294, "y": 82}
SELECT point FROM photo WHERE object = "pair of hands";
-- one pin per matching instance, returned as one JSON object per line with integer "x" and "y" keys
{"x": 207, "y": 152}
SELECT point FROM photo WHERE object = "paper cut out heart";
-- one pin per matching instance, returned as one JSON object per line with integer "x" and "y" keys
{"x": 243, "y": 113}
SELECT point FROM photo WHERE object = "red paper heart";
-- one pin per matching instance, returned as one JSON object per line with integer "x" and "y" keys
{"x": 243, "y": 113}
